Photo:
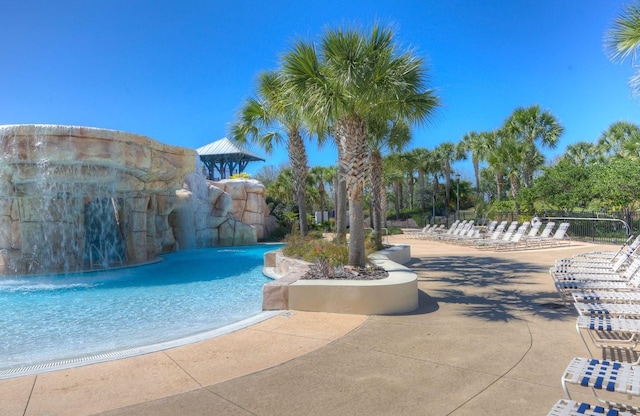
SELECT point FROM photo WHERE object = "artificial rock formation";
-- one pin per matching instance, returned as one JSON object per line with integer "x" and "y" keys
{"x": 73, "y": 198}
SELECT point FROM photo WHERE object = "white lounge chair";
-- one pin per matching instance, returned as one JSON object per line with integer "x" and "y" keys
{"x": 511, "y": 243}
{"x": 416, "y": 234}
{"x": 573, "y": 408}
{"x": 607, "y": 332}
{"x": 630, "y": 244}
{"x": 604, "y": 375}
{"x": 559, "y": 238}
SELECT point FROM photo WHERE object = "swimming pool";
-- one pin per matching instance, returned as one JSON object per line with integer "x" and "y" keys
{"x": 66, "y": 318}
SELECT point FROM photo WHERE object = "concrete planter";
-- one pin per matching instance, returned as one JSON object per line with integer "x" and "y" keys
{"x": 398, "y": 293}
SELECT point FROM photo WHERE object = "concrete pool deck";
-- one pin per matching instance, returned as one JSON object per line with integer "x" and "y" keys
{"x": 490, "y": 337}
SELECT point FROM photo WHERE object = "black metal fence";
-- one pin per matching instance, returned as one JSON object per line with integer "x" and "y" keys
{"x": 601, "y": 227}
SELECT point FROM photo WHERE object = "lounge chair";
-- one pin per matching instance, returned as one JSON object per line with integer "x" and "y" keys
{"x": 612, "y": 310}
{"x": 559, "y": 238}
{"x": 416, "y": 234}
{"x": 498, "y": 234}
{"x": 629, "y": 245}
{"x": 533, "y": 231}
{"x": 614, "y": 262}
{"x": 442, "y": 232}
{"x": 509, "y": 243}
{"x": 460, "y": 231}
{"x": 610, "y": 376}
{"x": 506, "y": 236}
{"x": 607, "y": 332}
{"x": 573, "y": 408}
{"x": 629, "y": 280}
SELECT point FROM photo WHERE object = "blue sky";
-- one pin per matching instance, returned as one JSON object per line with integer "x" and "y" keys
{"x": 177, "y": 71}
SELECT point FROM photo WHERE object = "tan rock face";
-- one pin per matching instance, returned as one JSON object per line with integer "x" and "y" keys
{"x": 73, "y": 198}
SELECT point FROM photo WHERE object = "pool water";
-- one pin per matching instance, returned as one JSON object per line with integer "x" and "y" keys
{"x": 62, "y": 317}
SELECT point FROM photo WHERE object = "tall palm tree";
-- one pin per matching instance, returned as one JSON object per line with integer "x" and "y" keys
{"x": 394, "y": 174}
{"x": 392, "y": 136}
{"x": 421, "y": 158}
{"x": 623, "y": 40}
{"x": 512, "y": 152}
{"x": 318, "y": 177}
{"x": 446, "y": 154}
{"x": 581, "y": 153}
{"x": 497, "y": 165}
{"x": 611, "y": 141}
{"x": 353, "y": 79}
{"x": 476, "y": 144}
{"x": 263, "y": 120}
{"x": 530, "y": 125}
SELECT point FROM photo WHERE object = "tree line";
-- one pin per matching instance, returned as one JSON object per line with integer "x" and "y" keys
{"x": 364, "y": 93}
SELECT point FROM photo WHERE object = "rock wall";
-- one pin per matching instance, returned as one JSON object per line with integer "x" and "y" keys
{"x": 75, "y": 198}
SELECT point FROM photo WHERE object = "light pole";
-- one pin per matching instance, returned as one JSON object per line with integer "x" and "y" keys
{"x": 457, "y": 196}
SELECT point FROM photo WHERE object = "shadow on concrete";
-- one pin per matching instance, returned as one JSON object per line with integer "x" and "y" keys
{"x": 490, "y": 288}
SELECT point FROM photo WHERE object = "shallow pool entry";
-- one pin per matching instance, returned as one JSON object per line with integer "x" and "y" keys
{"x": 67, "y": 317}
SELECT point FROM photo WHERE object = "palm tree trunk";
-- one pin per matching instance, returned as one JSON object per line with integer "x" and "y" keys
{"x": 352, "y": 134}
{"x": 498, "y": 177}
{"x": 515, "y": 191}
{"x": 411, "y": 188}
{"x": 298, "y": 158}
{"x": 375, "y": 177}
{"x": 476, "y": 172}
{"x": 423, "y": 189}
{"x": 341, "y": 204}
{"x": 397, "y": 190}
{"x": 383, "y": 204}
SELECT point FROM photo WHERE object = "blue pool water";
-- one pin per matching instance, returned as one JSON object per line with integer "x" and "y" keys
{"x": 62, "y": 317}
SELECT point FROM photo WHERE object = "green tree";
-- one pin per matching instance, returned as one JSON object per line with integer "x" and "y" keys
{"x": 617, "y": 184}
{"x": 264, "y": 119}
{"x": 351, "y": 79}
{"x": 422, "y": 159}
{"x": 393, "y": 172}
{"x": 318, "y": 177}
{"x": 612, "y": 141}
{"x": 582, "y": 153}
{"x": 478, "y": 145}
{"x": 566, "y": 185}
{"x": 623, "y": 40}
{"x": 382, "y": 135}
{"x": 530, "y": 126}
{"x": 446, "y": 153}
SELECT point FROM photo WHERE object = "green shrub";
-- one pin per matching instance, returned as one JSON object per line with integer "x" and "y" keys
{"x": 313, "y": 249}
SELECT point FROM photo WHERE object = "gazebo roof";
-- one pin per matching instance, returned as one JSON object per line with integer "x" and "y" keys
{"x": 225, "y": 149}
{"x": 225, "y": 157}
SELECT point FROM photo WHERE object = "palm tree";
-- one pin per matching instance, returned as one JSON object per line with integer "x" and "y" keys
{"x": 497, "y": 165}
{"x": 262, "y": 120}
{"x": 512, "y": 152}
{"x": 353, "y": 79}
{"x": 382, "y": 135}
{"x": 394, "y": 174}
{"x": 318, "y": 177}
{"x": 611, "y": 142}
{"x": 421, "y": 158}
{"x": 530, "y": 125}
{"x": 623, "y": 40}
{"x": 477, "y": 145}
{"x": 446, "y": 154}
{"x": 581, "y": 153}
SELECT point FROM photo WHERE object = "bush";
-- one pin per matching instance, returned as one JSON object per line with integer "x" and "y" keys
{"x": 313, "y": 249}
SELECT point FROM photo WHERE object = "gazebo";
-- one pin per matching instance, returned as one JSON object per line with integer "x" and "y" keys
{"x": 226, "y": 158}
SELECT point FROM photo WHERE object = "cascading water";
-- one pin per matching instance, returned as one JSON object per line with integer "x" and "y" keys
{"x": 64, "y": 207}
{"x": 77, "y": 198}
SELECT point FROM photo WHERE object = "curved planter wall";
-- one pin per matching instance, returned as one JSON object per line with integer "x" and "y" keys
{"x": 396, "y": 294}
